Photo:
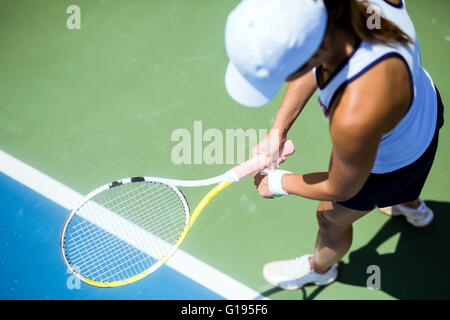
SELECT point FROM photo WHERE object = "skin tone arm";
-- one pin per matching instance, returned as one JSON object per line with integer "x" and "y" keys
{"x": 356, "y": 127}
{"x": 302, "y": 85}
{"x": 298, "y": 93}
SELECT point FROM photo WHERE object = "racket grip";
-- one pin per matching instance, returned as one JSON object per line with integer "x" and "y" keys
{"x": 259, "y": 162}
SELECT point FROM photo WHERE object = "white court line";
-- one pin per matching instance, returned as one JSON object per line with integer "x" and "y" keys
{"x": 181, "y": 261}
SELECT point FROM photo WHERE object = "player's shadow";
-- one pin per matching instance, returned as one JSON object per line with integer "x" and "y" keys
{"x": 419, "y": 266}
{"x": 416, "y": 269}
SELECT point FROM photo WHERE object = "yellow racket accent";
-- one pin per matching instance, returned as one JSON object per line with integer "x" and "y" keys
{"x": 106, "y": 284}
{"x": 125, "y": 281}
{"x": 211, "y": 194}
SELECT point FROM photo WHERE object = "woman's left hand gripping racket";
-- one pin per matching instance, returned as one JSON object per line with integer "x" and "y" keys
{"x": 125, "y": 230}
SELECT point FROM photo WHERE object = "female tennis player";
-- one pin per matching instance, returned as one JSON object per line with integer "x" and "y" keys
{"x": 384, "y": 112}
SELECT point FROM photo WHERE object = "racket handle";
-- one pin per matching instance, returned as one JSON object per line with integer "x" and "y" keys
{"x": 259, "y": 162}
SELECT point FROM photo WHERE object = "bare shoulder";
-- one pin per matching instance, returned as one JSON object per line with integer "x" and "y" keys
{"x": 376, "y": 101}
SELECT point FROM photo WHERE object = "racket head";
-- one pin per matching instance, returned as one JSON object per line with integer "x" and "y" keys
{"x": 124, "y": 231}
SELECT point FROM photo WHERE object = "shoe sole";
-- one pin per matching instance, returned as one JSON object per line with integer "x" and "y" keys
{"x": 296, "y": 287}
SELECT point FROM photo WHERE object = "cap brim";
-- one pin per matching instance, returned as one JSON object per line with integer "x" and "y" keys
{"x": 250, "y": 93}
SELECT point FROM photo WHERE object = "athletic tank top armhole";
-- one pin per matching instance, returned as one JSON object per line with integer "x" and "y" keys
{"x": 318, "y": 70}
{"x": 399, "y": 5}
{"x": 367, "y": 68}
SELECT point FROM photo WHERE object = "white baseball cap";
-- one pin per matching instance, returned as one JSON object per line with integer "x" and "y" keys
{"x": 268, "y": 40}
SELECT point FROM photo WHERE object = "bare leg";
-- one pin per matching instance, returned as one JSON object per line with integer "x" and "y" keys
{"x": 413, "y": 204}
{"x": 335, "y": 234}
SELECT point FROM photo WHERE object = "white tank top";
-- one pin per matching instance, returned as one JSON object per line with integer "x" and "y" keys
{"x": 410, "y": 138}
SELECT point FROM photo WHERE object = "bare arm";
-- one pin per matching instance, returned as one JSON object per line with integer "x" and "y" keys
{"x": 356, "y": 127}
{"x": 354, "y": 151}
{"x": 298, "y": 92}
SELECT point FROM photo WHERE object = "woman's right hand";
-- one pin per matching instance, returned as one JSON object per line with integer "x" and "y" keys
{"x": 270, "y": 146}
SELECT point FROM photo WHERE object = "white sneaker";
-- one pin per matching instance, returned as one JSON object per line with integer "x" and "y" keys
{"x": 420, "y": 217}
{"x": 294, "y": 274}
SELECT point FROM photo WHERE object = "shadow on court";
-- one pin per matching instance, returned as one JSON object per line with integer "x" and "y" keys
{"x": 419, "y": 267}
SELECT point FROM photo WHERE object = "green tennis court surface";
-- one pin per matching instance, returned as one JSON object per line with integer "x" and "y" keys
{"x": 93, "y": 105}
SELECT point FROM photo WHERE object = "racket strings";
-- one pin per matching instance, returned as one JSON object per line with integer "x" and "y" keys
{"x": 101, "y": 238}
{"x": 113, "y": 248}
{"x": 136, "y": 207}
{"x": 158, "y": 204}
{"x": 125, "y": 231}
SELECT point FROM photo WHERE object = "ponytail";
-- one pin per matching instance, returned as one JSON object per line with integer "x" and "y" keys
{"x": 354, "y": 15}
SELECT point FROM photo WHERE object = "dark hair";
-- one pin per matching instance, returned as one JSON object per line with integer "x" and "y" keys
{"x": 353, "y": 16}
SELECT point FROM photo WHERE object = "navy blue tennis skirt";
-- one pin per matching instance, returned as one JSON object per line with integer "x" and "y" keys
{"x": 399, "y": 186}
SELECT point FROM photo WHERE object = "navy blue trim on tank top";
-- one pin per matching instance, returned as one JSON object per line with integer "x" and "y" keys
{"x": 399, "y": 5}
{"x": 339, "y": 68}
{"x": 367, "y": 68}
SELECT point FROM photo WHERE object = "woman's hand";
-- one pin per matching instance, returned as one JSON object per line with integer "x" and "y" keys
{"x": 261, "y": 182}
{"x": 270, "y": 147}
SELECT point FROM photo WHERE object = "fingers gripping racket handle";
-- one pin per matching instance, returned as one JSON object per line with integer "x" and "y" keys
{"x": 258, "y": 163}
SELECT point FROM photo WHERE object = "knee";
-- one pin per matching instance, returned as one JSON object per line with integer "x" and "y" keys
{"x": 329, "y": 218}
{"x": 324, "y": 220}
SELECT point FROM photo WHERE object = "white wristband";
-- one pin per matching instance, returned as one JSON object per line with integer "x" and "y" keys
{"x": 275, "y": 177}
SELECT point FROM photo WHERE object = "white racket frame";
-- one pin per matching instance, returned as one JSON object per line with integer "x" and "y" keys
{"x": 92, "y": 194}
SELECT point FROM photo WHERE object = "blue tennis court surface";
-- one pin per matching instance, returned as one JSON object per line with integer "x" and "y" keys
{"x": 31, "y": 266}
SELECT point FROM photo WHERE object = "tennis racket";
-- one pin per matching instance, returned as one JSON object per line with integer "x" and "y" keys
{"x": 125, "y": 230}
